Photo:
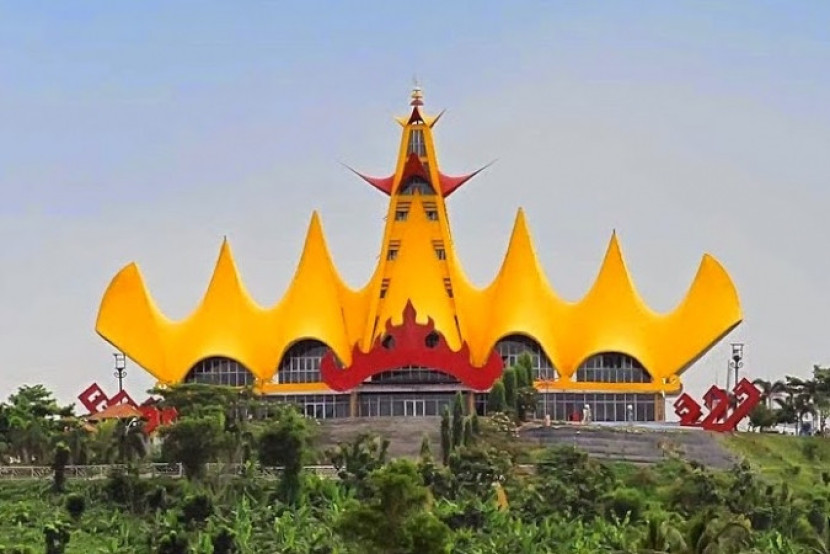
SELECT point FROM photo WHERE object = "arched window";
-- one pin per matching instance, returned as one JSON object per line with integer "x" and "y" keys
{"x": 220, "y": 371}
{"x": 612, "y": 367}
{"x": 417, "y": 184}
{"x": 413, "y": 375}
{"x": 512, "y": 347}
{"x": 301, "y": 363}
{"x": 417, "y": 145}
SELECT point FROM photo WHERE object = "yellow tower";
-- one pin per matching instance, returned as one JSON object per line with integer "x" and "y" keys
{"x": 417, "y": 248}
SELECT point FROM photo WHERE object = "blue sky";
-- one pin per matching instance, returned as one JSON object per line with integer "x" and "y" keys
{"x": 148, "y": 131}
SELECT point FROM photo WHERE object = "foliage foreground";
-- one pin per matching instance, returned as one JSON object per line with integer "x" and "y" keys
{"x": 472, "y": 497}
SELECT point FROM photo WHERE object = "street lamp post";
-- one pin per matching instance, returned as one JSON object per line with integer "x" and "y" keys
{"x": 737, "y": 360}
{"x": 120, "y": 369}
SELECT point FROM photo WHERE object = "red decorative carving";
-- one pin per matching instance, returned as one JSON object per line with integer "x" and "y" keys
{"x": 95, "y": 400}
{"x": 156, "y": 417}
{"x": 410, "y": 344}
{"x": 717, "y": 401}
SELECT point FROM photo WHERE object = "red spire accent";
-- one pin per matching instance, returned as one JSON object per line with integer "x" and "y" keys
{"x": 414, "y": 167}
{"x": 383, "y": 184}
{"x": 450, "y": 184}
{"x": 416, "y": 116}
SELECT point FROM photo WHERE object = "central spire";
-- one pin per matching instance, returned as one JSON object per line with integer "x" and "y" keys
{"x": 417, "y": 96}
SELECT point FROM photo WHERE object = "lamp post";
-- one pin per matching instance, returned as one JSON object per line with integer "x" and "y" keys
{"x": 120, "y": 369}
{"x": 737, "y": 360}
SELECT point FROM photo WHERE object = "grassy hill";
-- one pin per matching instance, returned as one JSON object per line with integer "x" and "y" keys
{"x": 802, "y": 462}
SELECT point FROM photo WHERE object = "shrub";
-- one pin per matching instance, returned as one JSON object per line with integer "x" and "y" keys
{"x": 626, "y": 502}
{"x": 224, "y": 542}
{"x": 156, "y": 499}
{"x": 75, "y": 505}
{"x": 197, "y": 508}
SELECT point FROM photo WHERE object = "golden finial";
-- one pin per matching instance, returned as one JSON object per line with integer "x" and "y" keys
{"x": 417, "y": 95}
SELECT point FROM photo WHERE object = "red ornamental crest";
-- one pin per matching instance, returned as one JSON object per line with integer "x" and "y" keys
{"x": 724, "y": 412}
{"x": 95, "y": 400}
{"x": 410, "y": 344}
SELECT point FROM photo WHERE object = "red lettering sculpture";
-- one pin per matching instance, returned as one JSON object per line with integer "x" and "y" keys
{"x": 95, "y": 400}
{"x": 745, "y": 397}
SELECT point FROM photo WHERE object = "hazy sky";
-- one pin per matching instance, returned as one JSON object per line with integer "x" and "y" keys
{"x": 146, "y": 131}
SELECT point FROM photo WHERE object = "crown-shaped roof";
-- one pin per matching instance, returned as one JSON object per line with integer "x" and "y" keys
{"x": 520, "y": 301}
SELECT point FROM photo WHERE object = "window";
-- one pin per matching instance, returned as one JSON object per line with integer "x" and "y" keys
{"x": 431, "y": 210}
{"x": 448, "y": 287}
{"x": 417, "y": 184}
{"x": 317, "y": 406}
{"x": 513, "y": 347}
{"x": 402, "y": 211}
{"x": 416, "y": 143}
{"x": 392, "y": 253}
{"x": 384, "y": 286}
{"x": 412, "y": 375}
{"x": 438, "y": 246}
{"x": 220, "y": 371}
{"x": 612, "y": 367}
{"x": 603, "y": 406}
{"x": 301, "y": 362}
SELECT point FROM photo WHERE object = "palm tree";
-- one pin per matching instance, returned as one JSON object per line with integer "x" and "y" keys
{"x": 770, "y": 390}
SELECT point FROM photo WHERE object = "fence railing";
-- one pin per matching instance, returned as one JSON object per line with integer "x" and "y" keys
{"x": 148, "y": 471}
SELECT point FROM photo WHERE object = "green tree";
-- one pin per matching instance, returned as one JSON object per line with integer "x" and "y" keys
{"x": 476, "y": 426}
{"x": 497, "y": 398}
{"x": 510, "y": 387}
{"x": 458, "y": 420}
{"x": 193, "y": 442}
{"x": 426, "y": 452}
{"x": 524, "y": 367}
{"x": 30, "y": 421}
{"x": 446, "y": 436}
{"x": 355, "y": 461}
{"x": 761, "y": 417}
{"x": 59, "y": 466}
{"x": 285, "y": 444}
{"x": 396, "y": 518}
{"x": 468, "y": 432}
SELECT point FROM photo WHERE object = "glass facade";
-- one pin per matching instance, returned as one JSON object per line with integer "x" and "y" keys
{"x": 512, "y": 347}
{"x": 318, "y": 406}
{"x": 404, "y": 404}
{"x": 301, "y": 362}
{"x": 419, "y": 185}
{"x": 413, "y": 376}
{"x": 612, "y": 367}
{"x": 566, "y": 406}
{"x": 220, "y": 371}
{"x": 416, "y": 143}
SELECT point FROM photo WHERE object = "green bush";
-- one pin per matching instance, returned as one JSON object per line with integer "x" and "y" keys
{"x": 197, "y": 508}
{"x": 75, "y": 505}
{"x": 626, "y": 503}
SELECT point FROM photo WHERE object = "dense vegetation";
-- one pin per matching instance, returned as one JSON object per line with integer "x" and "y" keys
{"x": 471, "y": 497}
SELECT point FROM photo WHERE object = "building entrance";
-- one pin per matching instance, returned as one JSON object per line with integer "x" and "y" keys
{"x": 414, "y": 408}
{"x": 316, "y": 410}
